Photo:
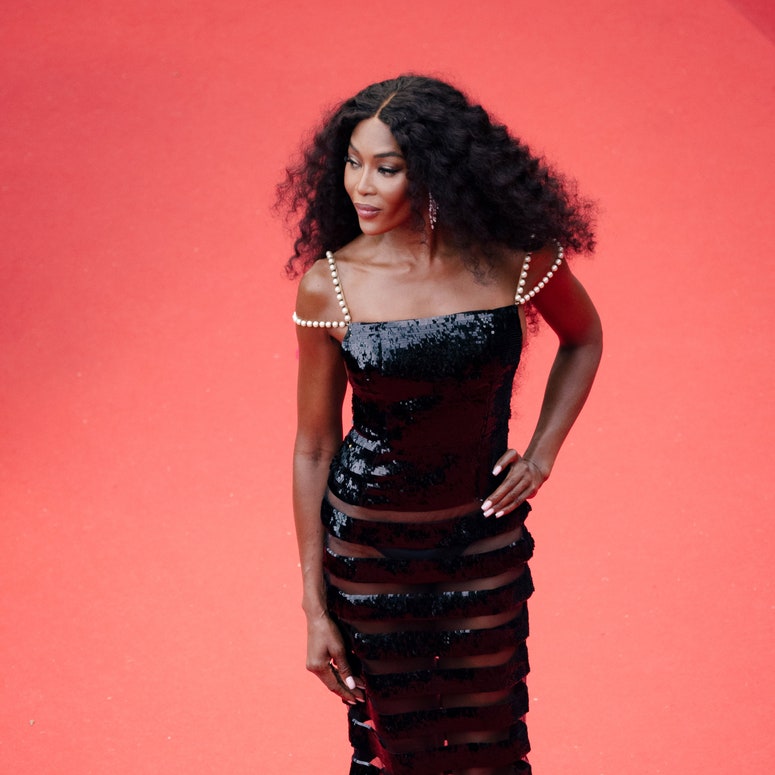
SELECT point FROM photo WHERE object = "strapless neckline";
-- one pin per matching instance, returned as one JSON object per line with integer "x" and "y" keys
{"x": 430, "y": 318}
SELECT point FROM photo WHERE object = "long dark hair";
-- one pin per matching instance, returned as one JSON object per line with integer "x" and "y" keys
{"x": 492, "y": 193}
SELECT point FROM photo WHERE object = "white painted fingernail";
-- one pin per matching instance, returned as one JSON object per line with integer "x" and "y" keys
{"x": 496, "y": 470}
{"x": 499, "y": 514}
{"x": 486, "y": 505}
{"x": 488, "y": 513}
{"x": 350, "y": 682}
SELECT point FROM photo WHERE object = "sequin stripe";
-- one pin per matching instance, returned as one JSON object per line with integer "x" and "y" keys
{"x": 449, "y": 757}
{"x": 416, "y": 683}
{"x": 458, "y": 531}
{"x": 350, "y": 607}
{"x": 445, "y": 643}
{"x": 398, "y": 726}
{"x": 424, "y": 571}
{"x": 467, "y": 755}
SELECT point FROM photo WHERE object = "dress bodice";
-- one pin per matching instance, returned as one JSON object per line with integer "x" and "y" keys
{"x": 431, "y": 404}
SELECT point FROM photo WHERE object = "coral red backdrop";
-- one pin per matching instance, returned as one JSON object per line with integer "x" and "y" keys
{"x": 148, "y": 581}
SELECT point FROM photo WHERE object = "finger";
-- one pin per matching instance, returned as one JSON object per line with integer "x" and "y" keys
{"x": 330, "y": 679}
{"x": 491, "y": 504}
{"x": 344, "y": 673}
{"x": 347, "y": 685}
{"x": 527, "y": 489}
{"x": 506, "y": 506}
{"x": 515, "y": 483}
{"x": 509, "y": 457}
{"x": 324, "y": 672}
{"x": 520, "y": 485}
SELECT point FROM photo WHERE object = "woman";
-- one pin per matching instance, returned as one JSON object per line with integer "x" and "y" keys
{"x": 443, "y": 230}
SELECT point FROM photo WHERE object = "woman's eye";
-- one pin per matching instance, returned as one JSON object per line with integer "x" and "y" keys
{"x": 350, "y": 161}
{"x": 388, "y": 170}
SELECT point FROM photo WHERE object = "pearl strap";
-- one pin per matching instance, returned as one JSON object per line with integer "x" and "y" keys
{"x": 523, "y": 298}
{"x": 520, "y": 297}
{"x": 339, "y": 297}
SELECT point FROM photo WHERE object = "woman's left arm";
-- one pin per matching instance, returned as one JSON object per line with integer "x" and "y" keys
{"x": 565, "y": 306}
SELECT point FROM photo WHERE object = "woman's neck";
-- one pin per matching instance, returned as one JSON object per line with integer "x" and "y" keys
{"x": 408, "y": 247}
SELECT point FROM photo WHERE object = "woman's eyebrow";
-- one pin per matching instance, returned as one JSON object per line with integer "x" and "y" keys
{"x": 386, "y": 155}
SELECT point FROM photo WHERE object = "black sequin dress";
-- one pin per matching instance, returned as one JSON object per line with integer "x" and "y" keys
{"x": 429, "y": 594}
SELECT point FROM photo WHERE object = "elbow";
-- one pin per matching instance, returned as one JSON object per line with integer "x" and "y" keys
{"x": 594, "y": 342}
{"x": 592, "y": 347}
{"x": 593, "y": 332}
{"x": 589, "y": 339}
{"x": 586, "y": 347}
{"x": 314, "y": 452}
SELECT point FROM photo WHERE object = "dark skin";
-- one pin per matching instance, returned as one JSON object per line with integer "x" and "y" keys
{"x": 394, "y": 272}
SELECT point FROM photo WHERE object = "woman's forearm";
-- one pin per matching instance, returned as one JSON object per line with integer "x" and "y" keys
{"x": 310, "y": 472}
{"x": 567, "y": 388}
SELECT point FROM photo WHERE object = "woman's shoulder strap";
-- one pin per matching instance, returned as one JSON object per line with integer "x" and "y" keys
{"x": 521, "y": 297}
{"x": 339, "y": 297}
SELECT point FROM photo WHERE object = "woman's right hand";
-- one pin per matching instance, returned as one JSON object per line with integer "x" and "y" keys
{"x": 327, "y": 659}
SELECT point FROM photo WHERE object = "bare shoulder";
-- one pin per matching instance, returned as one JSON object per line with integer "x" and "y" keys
{"x": 316, "y": 296}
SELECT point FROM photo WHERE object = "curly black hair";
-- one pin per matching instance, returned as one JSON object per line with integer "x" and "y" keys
{"x": 492, "y": 192}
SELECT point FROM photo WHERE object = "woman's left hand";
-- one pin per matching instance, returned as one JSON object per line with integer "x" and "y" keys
{"x": 523, "y": 480}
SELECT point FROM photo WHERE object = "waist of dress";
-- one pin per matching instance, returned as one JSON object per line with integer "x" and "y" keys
{"x": 409, "y": 477}
{"x": 420, "y": 534}
{"x": 395, "y": 515}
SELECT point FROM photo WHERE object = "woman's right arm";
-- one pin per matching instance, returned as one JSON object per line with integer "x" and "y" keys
{"x": 321, "y": 388}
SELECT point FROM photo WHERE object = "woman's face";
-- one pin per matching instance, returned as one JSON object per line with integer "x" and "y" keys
{"x": 375, "y": 178}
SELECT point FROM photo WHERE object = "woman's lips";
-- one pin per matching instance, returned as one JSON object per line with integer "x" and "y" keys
{"x": 366, "y": 211}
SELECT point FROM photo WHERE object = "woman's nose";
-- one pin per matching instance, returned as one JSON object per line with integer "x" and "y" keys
{"x": 365, "y": 183}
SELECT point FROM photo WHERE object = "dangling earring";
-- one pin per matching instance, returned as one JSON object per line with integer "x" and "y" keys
{"x": 433, "y": 211}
